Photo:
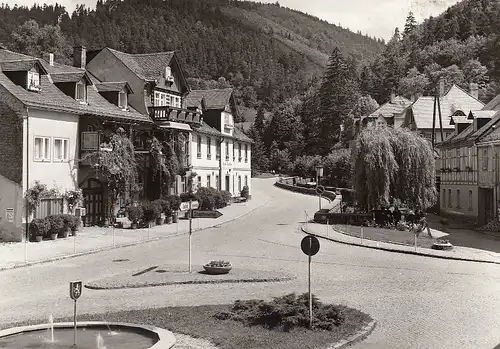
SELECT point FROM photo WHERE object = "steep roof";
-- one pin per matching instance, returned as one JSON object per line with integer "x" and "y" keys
{"x": 21, "y": 65}
{"x": 113, "y": 86}
{"x": 389, "y": 110}
{"x": 494, "y": 104}
{"x": 52, "y": 98}
{"x": 207, "y": 130}
{"x": 455, "y": 99}
{"x": 215, "y": 99}
{"x": 239, "y": 135}
{"x": 69, "y": 77}
{"x": 147, "y": 66}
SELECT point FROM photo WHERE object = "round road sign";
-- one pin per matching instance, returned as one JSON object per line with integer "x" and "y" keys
{"x": 310, "y": 245}
{"x": 320, "y": 189}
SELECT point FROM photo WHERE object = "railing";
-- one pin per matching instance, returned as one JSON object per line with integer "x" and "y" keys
{"x": 168, "y": 113}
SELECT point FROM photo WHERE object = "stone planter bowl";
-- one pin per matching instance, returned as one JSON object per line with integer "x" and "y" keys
{"x": 217, "y": 270}
{"x": 444, "y": 246}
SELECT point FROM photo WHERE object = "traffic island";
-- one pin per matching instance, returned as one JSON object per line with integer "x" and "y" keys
{"x": 178, "y": 275}
{"x": 336, "y": 327}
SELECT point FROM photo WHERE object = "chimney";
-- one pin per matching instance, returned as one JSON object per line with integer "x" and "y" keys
{"x": 51, "y": 59}
{"x": 80, "y": 56}
{"x": 474, "y": 90}
{"x": 441, "y": 88}
{"x": 393, "y": 98}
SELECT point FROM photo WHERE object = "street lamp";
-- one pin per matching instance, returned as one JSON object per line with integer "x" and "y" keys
{"x": 319, "y": 174}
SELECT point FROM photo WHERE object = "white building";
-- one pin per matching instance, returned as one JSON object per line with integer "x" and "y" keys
{"x": 220, "y": 153}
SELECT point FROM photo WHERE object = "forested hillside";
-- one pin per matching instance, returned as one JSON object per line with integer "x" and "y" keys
{"x": 267, "y": 52}
{"x": 462, "y": 45}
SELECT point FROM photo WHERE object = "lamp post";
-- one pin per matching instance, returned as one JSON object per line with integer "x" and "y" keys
{"x": 319, "y": 174}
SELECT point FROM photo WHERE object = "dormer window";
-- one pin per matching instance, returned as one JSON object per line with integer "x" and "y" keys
{"x": 81, "y": 92}
{"x": 122, "y": 100}
{"x": 168, "y": 74}
{"x": 33, "y": 81}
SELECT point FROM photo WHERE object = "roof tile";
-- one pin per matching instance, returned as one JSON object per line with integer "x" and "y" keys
{"x": 147, "y": 66}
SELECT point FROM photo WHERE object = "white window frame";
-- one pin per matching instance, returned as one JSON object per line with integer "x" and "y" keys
{"x": 122, "y": 96}
{"x": 209, "y": 181}
{"x": 209, "y": 148}
{"x": 84, "y": 99}
{"x": 33, "y": 83}
{"x": 94, "y": 140}
{"x": 65, "y": 149}
{"x": 45, "y": 154}
{"x": 227, "y": 150}
{"x": 198, "y": 146}
{"x": 246, "y": 152}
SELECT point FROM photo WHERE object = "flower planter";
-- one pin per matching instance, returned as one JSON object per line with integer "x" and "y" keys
{"x": 174, "y": 217}
{"x": 53, "y": 236}
{"x": 134, "y": 225}
{"x": 38, "y": 238}
{"x": 159, "y": 221}
{"x": 170, "y": 219}
{"x": 217, "y": 270}
{"x": 73, "y": 232}
{"x": 64, "y": 234}
{"x": 445, "y": 246}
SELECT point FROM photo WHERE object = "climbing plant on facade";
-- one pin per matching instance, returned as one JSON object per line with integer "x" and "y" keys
{"x": 393, "y": 164}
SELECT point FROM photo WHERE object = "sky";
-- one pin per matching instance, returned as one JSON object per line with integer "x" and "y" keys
{"x": 376, "y": 18}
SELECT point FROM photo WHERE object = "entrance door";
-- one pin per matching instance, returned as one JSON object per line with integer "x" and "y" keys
{"x": 93, "y": 202}
{"x": 227, "y": 182}
{"x": 486, "y": 207}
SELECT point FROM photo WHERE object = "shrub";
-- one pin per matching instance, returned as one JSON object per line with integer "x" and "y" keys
{"x": 206, "y": 198}
{"x": 134, "y": 213}
{"x": 10, "y": 233}
{"x": 186, "y": 196}
{"x": 226, "y": 196}
{"x": 175, "y": 202}
{"x": 219, "y": 200}
{"x": 67, "y": 219}
{"x": 165, "y": 207}
{"x": 74, "y": 223}
{"x": 245, "y": 193}
{"x": 40, "y": 226}
{"x": 151, "y": 210}
{"x": 56, "y": 224}
{"x": 285, "y": 313}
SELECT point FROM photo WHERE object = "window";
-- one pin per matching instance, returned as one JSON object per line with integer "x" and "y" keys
{"x": 122, "y": 100}
{"x": 199, "y": 181}
{"x": 81, "y": 92}
{"x": 209, "y": 182}
{"x": 485, "y": 159}
{"x": 209, "y": 148}
{"x": 239, "y": 183}
{"x": 227, "y": 151}
{"x": 246, "y": 181}
{"x": 239, "y": 152}
{"x": 449, "y": 197}
{"x": 42, "y": 149}
{"x": 217, "y": 184}
{"x": 217, "y": 157}
{"x": 469, "y": 160}
{"x": 458, "y": 198}
{"x": 61, "y": 149}
{"x": 33, "y": 81}
{"x": 246, "y": 152}
{"x": 470, "y": 200}
{"x": 90, "y": 141}
{"x": 198, "y": 145}
{"x": 234, "y": 152}
{"x": 444, "y": 198}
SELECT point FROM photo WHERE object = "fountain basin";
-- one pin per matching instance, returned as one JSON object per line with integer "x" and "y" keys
{"x": 122, "y": 336}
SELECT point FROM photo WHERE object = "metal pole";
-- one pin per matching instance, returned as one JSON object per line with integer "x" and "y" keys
{"x": 327, "y": 227}
{"x": 74, "y": 242}
{"x": 74, "y": 324}
{"x": 27, "y": 185}
{"x": 177, "y": 224}
{"x": 361, "y": 234}
{"x": 310, "y": 296}
{"x": 190, "y": 231}
{"x": 113, "y": 236}
{"x": 415, "y": 242}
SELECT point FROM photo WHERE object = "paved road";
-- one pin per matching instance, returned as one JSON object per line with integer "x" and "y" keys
{"x": 419, "y": 302}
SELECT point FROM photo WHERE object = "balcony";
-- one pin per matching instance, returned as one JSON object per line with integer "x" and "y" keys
{"x": 173, "y": 114}
{"x": 486, "y": 178}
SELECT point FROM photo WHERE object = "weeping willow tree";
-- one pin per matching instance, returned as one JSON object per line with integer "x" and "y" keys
{"x": 116, "y": 162}
{"x": 393, "y": 164}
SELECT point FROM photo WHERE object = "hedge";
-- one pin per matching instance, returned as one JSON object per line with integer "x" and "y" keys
{"x": 329, "y": 195}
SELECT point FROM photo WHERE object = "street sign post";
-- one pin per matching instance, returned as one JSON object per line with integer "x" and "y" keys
{"x": 192, "y": 205}
{"x": 310, "y": 246}
{"x": 189, "y": 205}
{"x": 206, "y": 214}
{"x": 320, "y": 190}
{"x": 75, "y": 291}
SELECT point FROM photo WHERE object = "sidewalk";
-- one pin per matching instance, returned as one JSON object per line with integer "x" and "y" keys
{"x": 458, "y": 252}
{"x": 94, "y": 239}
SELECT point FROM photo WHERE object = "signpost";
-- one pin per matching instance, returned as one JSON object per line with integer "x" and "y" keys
{"x": 79, "y": 212}
{"x": 310, "y": 246}
{"x": 75, "y": 291}
{"x": 320, "y": 190}
{"x": 206, "y": 214}
{"x": 189, "y": 207}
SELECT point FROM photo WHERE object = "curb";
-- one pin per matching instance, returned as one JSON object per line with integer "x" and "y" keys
{"x": 463, "y": 259}
{"x": 357, "y": 337}
{"x": 109, "y": 248}
{"x": 192, "y": 282}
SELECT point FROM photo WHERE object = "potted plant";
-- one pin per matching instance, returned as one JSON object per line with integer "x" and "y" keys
{"x": 150, "y": 212}
{"x": 245, "y": 193}
{"x": 39, "y": 228}
{"x": 217, "y": 267}
{"x": 134, "y": 215}
{"x": 74, "y": 225}
{"x": 442, "y": 244}
{"x": 165, "y": 206}
{"x": 67, "y": 219}
{"x": 175, "y": 204}
{"x": 56, "y": 226}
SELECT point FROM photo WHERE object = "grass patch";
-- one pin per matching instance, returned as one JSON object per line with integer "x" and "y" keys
{"x": 200, "y": 322}
{"x": 387, "y": 235}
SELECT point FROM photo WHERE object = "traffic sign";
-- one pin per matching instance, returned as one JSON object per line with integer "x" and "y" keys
{"x": 320, "y": 189}
{"x": 75, "y": 290}
{"x": 310, "y": 245}
{"x": 206, "y": 214}
{"x": 185, "y": 206}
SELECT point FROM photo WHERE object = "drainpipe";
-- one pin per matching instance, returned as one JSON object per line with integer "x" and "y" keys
{"x": 27, "y": 183}
{"x": 221, "y": 140}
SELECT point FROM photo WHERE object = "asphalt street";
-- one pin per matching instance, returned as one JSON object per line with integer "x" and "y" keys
{"x": 419, "y": 302}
